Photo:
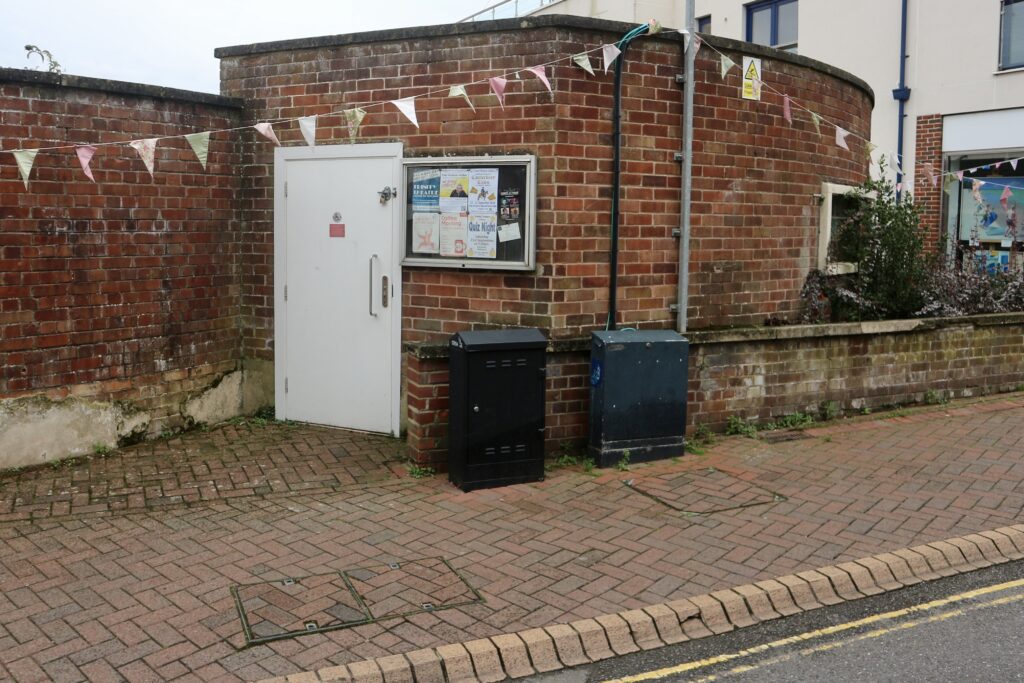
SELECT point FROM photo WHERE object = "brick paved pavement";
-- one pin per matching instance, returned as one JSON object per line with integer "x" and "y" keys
{"x": 108, "y": 593}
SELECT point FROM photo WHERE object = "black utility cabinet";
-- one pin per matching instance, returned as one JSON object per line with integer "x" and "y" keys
{"x": 496, "y": 408}
{"x": 637, "y": 395}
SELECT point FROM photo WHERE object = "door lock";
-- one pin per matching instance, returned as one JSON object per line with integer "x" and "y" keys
{"x": 387, "y": 193}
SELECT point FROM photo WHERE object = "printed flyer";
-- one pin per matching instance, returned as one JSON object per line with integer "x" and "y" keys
{"x": 510, "y": 204}
{"x": 483, "y": 191}
{"x": 453, "y": 234}
{"x": 426, "y": 233}
{"x": 426, "y": 189}
{"x": 482, "y": 237}
{"x": 454, "y": 195}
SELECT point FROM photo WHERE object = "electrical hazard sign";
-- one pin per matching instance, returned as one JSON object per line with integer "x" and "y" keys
{"x": 751, "y": 78}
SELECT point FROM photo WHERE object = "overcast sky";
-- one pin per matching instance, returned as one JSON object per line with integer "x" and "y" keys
{"x": 171, "y": 42}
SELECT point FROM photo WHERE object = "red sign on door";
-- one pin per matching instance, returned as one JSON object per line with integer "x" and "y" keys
{"x": 337, "y": 229}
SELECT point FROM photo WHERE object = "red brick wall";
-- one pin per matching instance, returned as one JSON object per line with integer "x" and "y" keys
{"x": 928, "y": 147}
{"x": 127, "y": 288}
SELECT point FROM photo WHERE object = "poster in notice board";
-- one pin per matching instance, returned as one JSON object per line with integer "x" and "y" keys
{"x": 468, "y": 214}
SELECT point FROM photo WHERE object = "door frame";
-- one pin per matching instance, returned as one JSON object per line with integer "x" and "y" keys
{"x": 282, "y": 155}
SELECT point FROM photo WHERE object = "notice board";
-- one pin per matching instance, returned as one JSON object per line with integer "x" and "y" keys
{"x": 470, "y": 212}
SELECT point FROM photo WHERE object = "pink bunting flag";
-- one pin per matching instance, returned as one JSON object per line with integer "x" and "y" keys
{"x": 267, "y": 131}
{"x": 1004, "y": 198}
{"x": 899, "y": 187}
{"x": 147, "y": 150}
{"x": 841, "y": 134}
{"x": 539, "y": 72}
{"x": 85, "y": 153}
{"x": 960, "y": 176}
{"x": 408, "y": 108}
{"x": 609, "y": 53}
{"x": 931, "y": 175}
{"x": 697, "y": 42}
{"x": 498, "y": 86}
{"x": 787, "y": 111}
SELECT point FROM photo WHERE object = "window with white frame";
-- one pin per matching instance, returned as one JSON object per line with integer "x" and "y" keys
{"x": 837, "y": 205}
{"x": 1011, "y": 35}
{"x": 773, "y": 23}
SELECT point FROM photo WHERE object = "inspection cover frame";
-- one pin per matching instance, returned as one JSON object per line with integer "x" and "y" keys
{"x": 652, "y": 488}
{"x": 296, "y": 606}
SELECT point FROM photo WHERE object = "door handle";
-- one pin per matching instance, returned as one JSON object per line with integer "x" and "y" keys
{"x": 384, "y": 291}
{"x": 372, "y": 258}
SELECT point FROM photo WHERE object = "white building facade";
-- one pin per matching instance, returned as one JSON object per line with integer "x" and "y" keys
{"x": 962, "y": 87}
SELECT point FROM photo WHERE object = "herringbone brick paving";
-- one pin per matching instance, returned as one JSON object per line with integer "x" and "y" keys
{"x": 102, "y": 592}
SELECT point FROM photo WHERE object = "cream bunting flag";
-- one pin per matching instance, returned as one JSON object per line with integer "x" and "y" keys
{"x": 787, "y": 111}
{"x": 267, "y": 131}
{"x": 85, "y": 153}
{"x": 147, "y": 150}
{"x": 816, "y": 120}
{"x": 460, "y": 91}
{"x": 25, "y": 159}
{"x": 726, "y": 65}
{"x": 200, "y": 145}
{"x": 869, "y": 149}
{"x": 841, "y": 134}
{"x": 498, "y": 86}
{"x": 408, "y": 107}
{"x": 354, "y": 119}
{"x": 307, "y": 126}
{"x": 583, "y": 61}
{"x": 609, "y": 53}
{"x": 539, "y": 72}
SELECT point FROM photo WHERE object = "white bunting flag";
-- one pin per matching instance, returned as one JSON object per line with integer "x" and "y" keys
{"x": 147, "y": 150}
{"x": 460, "y": 91}
{"x": 726, "y": 65}
{"x": 539, "y": 72}
{"x": 583, "y": 62}
{"x": 1013, "y": 163}
{"x": 25, "y": 159}
{"x": 498, "y": 86}
{"x": 408, "y": 107}
{"x": 267, "y": 131}
{"x": 841, "y": 134}
{"x": 609, "y": 53}
{"x": 307, "y": 126}
{"x": 894, "y": 162}
{"x": 354, "y": 119}
{"x": 85, "y": 153}
{"x": 816, "y": 120}
{"x": 200, "y": 145}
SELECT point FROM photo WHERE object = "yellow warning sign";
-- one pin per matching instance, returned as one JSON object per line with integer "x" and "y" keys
{"x": 751, "y": 78}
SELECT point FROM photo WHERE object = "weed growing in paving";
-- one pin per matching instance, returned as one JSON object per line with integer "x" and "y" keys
{"x": 737, "y": 426}
{"x": 417, "y": 472}
{"x": 623, "y": 464}
{"x": 829, "y": 410}
{"x": 932, "y": 398}
{"x": 794, "y": 421}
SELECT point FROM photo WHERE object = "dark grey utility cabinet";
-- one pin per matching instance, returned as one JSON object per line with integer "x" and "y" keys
{"x": 637, "y": 395}
{"x": 496, "y": 407}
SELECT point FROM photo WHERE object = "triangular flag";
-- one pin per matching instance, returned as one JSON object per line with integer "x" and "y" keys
{"x": 460, "y": 91}
{"x": 653, "y": 26}
{"x": 869, "y": 149}
{"x": 408, "y": 107}
{"x": 894, "y": 162}
{"x": 85, "y": 153}
{"x": 200, "y": 145}
{"x": 816, "y": 120}
{"x": 583, "y": 61}
{"x": 1004, "y": 198}
{"x": 538, "y": 71}
{"x": 498, "y": 86}
{"x": 267, "y": 131}
{"x": 787, "y": 111}
{"x": 25, "y": 159}
{"x": 147, "y": 150}
{"x": 979, "y": 183}
{"x": 960, "y": 175}
{"x": 1013, "y": 163}
{"x": 899, "y": 186}
{"x": 307, "y": 125}
{"x": 841, "y": 134}
{"x": 697, "y": 42}
{"x": 354, "y": 119}
{"x": 609, "y": 54}
{"x": 931, "y": 174}
{"x": 726, "y": 65}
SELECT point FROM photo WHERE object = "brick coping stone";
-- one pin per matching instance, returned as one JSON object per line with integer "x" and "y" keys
{"x": 561, "y": 646}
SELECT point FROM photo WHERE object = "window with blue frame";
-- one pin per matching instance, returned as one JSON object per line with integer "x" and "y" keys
{"x": 1011, "y": 35}
{"x": 704, "y": 24}
{"x": 773, "y": 23}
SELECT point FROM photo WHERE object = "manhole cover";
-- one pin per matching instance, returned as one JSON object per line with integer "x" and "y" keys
{"x": 311, "y": 604}
{"x": 780, "y": 437}
{"x": 704, "y": 491}
{"x": 425, "y": 585}
{"x": 280, "y": 609}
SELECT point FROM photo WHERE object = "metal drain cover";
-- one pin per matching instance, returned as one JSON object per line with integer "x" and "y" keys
{"x": 704, "y": 491}
{"x": 424, "y": 585}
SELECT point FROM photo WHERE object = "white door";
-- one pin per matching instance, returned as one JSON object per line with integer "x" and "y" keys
{"x": 337, "y": 285}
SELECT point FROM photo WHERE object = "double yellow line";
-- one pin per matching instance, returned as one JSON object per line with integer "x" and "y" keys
{"x": 839, "y": 628}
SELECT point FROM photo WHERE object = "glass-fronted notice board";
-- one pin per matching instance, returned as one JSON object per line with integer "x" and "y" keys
{"x": 470, "y": 212}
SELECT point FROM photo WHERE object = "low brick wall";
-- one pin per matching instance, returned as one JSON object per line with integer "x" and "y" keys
{"x": 762, "y": 373}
